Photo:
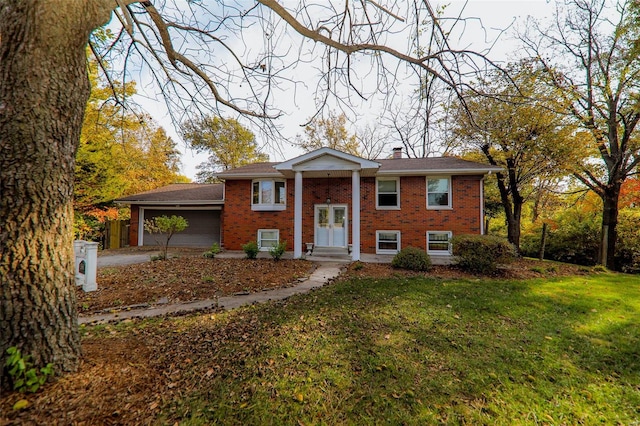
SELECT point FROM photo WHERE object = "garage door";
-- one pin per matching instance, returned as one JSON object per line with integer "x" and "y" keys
{"x": 203, "y": 230}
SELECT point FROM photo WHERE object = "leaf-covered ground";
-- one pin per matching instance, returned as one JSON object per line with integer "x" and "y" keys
{"x": 378, "y": 346}
{"x": 187, "y": 278}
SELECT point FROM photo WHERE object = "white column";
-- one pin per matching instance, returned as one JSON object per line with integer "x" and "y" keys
{"x": 482, "y": 230}
{"x": 355, "y": 214}
{"x": 140, "y": 226}
{"x": 297, "y": 217}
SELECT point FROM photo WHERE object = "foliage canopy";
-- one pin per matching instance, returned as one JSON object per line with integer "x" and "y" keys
{"x": 228, "y": 143}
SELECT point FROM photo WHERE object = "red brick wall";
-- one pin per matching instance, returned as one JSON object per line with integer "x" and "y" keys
{"x": 413, "y": 220}
{"x": 241, "y": 224}
{"x": 133, "y": 225}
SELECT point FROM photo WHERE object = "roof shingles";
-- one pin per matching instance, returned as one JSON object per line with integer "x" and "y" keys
{"x": 179, "y": 192}
{"x": 423, "y": 165}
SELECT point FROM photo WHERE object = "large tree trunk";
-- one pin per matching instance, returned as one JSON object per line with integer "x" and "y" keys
{"x": 43, "y": 92}
{"x": 609, "y": 229}
{"x": 510, "y": 196}
{"x": 512, "y": 205}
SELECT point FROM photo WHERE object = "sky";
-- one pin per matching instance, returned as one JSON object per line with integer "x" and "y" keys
{"x": 492, "y": 18}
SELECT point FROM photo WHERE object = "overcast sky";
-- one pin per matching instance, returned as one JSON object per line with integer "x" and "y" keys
{"x": 493, "y": 17}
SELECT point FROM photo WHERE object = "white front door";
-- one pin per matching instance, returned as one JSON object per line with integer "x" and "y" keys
{"x": 331, "y": 225}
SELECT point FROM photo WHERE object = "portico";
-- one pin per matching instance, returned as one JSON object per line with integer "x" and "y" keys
{"x": 331, "y": 222}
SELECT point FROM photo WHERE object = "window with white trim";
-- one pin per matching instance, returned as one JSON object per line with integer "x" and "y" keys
{"x": 387, "y": 242}
{"x": 388, "y": 193}
{"x": 438, "y": 192}
{"x": 268, "y": 238}
{"x": 439, "y": 242}
{"x": 268, "y": 195}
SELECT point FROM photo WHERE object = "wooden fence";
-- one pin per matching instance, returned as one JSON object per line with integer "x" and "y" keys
{"x": 116, "y": 234}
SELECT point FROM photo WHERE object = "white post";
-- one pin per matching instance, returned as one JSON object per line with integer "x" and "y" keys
{"x": 297, "y": 217}
{"x": 91, "y": 267}
{"x": 355, "y": 209}
{"x": 482, "y": 230}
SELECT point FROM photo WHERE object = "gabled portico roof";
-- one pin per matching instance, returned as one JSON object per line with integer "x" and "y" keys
{"x": 327, "y": 161}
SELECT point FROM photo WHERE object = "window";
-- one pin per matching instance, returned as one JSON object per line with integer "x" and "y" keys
{"x": 438, "y": 243}
{"x": 388, "y": 193}
{"x": 438, "y": 193}
{"x": 268, "y": 238}
{"x": 268, "y": 195}
{"x": 387, "y": 242}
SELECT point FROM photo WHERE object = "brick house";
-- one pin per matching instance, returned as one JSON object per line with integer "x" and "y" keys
{"x": 339, "y": 201}
{"x": 330, "y": 200}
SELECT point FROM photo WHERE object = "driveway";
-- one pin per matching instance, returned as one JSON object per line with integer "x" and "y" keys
{"x": 124, "y": 259}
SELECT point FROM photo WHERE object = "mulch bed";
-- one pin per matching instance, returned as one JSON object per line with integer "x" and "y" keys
{"x": 185, "y": 279}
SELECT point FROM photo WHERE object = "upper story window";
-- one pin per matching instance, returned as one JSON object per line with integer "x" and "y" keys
{"x": 268, "y": 195}
{"x": 439, "y": 193}
{"x": 388, "y": 193}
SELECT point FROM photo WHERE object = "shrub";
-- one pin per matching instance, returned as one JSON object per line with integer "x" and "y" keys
{"x": 482, "y": 253}
{"x": 163, "y": 228}
{"x": 412, "y": 258}
{"x": 251, "y": 249}
{"x": 573, "y": 237}
{"x": 599, "y": 268}
{"x": 211, "y": 253}
{"x": 278, "y": 250}
{"x": 628, "y": 244}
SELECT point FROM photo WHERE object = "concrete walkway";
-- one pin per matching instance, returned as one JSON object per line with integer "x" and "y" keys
{"x": 325, "y": 273}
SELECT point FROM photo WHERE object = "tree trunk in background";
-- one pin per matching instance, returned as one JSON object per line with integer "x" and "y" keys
{"x": 43, "y": 92}
{"x": 512, "y": 204}
{"x": 543, "y": 241}
{"x": 609, "y": 230}
{"x": 513, "y": 227}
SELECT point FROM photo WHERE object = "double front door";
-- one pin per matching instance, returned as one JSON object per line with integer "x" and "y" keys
{"x": 331, "y": 225}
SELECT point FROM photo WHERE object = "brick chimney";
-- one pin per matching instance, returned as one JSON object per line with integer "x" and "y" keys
{"x": 397, "y": 153}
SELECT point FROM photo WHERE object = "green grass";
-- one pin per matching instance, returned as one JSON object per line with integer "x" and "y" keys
{"x": 424, "y": 351}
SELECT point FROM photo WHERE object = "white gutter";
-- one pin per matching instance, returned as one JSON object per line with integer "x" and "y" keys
{"x": 173, "y": 203}
{"x": 251, "y": 175}
{"x": 423, "y": 172}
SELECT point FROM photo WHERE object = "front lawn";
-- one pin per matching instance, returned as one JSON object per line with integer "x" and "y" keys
{"x": 403, "y": 350}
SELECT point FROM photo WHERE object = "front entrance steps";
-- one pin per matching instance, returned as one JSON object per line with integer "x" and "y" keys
{"x": 336, "y": 253}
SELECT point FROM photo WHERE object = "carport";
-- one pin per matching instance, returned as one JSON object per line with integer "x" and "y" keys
{"x": 203, "y": 230}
